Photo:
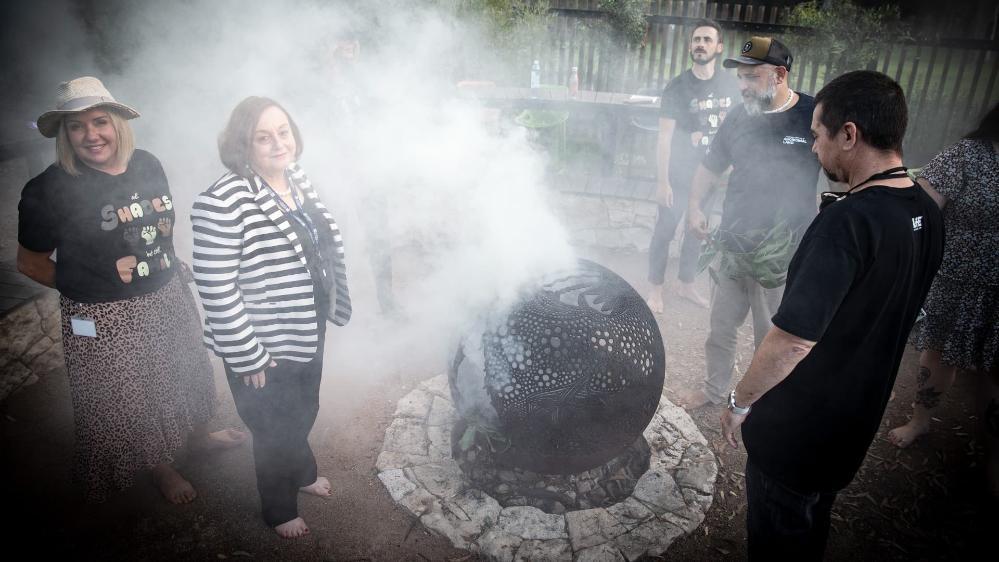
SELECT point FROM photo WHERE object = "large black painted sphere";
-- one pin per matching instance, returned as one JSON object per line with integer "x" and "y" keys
{"x": 574, "y": 372}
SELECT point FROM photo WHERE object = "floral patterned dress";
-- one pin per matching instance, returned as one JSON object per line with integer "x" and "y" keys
{"x": 962, "y": 307}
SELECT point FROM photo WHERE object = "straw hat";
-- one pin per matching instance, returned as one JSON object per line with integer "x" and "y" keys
{"x": 80, "y": 94}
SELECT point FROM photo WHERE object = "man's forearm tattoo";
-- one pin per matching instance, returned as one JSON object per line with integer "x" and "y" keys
{"x": 927, "y": 396}
{"x": 992, "y": 418}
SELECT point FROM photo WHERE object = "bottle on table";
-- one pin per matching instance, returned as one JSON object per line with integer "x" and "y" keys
{"x": 574, "y": 82}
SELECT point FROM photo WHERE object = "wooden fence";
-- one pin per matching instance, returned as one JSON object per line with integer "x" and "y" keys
{"x": 949, "y": 83}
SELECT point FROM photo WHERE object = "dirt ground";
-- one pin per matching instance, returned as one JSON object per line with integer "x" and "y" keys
{"x": 927, "y": 502}
{"x": 924, "y": 503}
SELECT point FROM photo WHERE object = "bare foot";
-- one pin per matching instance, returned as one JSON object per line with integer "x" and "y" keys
{"x": 218, "y": 440}
{"x": 172, "y": 485}
{"x": 689, "y": 292}
{"x": 292, "y": 529}
{"x": 903, "y": 436}
{"x": 655, "y": 300}
{"x": 692, "y": 400}
{"x": 321, "y": 487}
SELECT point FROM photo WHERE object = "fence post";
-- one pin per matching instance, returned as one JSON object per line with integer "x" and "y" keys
{"x": 992, "y": 81}
{"x": 974, "y": 85}
{"x": 903, "y": 51}
{"x": 949, "y": 123}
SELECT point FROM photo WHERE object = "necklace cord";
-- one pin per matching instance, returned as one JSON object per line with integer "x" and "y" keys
{"x": 783, "y": 106}
{"x": 898, "y": 172}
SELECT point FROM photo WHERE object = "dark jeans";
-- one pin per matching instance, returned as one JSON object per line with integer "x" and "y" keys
{"x": 785, "y": 524}
{"x": 280, "y": 416}
{"x": 690, "y": 249}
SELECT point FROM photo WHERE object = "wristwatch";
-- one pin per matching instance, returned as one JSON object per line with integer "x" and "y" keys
{"x": 735, "y": 408}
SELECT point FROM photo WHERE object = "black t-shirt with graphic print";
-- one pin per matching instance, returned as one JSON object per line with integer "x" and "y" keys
{"x": 698, "y": 107}
{"x": 113, "y": 235}
{"x": 774, "y": 173}
{"x": 854, "y": 286}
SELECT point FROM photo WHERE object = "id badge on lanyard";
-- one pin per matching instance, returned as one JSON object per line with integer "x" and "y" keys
{"x": 83, "y": 326}
{"x": 309, "y": 227}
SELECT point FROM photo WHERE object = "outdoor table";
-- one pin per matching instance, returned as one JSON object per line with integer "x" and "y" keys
{"x": 559, "y": 99}
{"x": 636, "y": 112}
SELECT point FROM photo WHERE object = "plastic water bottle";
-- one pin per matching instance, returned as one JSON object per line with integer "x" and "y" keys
{"x": 574, "y": 82}
{"x": 536, "y": 75}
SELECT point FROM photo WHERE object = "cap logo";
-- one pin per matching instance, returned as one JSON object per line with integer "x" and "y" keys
{"x": 747, "y": 47}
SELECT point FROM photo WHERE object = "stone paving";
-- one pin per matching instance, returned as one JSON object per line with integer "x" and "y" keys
{"x": 30, "y": 343}
{"x": 615, "y": 223}
{"x": 15, "y": 288}
{"x": 670, "y": 499}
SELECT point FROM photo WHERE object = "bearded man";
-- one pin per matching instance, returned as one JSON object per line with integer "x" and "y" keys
{"x": 772, "y": 190}
{"x": 693, "y": 106}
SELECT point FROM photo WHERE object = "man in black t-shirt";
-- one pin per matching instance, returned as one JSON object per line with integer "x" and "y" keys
{"x": 692, "y": 108}
{"x": 771, "y": 192}
{"x": 819, "y": 383}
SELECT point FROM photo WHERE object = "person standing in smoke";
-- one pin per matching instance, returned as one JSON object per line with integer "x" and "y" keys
{"x": 692, "y": 108}
{"x": 772, "y": 189}
{"x": 350, "y": 105}
{"x": 140, "y": 383}
{"x": 961, "y": 329}
{"x": 816, "y": 389}
{"x": 269, "y": 266}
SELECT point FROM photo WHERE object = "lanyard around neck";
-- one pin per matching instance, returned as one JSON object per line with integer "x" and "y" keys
{"x": 889, "y": 174}
{"x": 829, "y": 197}
{"x": 301, "y": 217}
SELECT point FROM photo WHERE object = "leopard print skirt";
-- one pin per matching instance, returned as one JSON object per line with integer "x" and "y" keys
{"x": 138, "y": 388}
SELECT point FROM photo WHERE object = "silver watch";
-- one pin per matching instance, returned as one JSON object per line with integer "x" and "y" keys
{"x": 735, "y": 408}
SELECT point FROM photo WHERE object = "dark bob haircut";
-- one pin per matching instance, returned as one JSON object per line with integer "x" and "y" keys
{"x": 870, "y": 100}
{"x": 237, "y": 137}
{"x": 988, "y": 127}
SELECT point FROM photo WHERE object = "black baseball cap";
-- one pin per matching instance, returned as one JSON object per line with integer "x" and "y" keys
{"x": 762, "y": 50}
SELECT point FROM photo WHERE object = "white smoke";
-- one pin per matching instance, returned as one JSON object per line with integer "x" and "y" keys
{"x": 466, "y": 208}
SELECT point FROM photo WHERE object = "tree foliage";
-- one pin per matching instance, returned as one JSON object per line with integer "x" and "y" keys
{"x": 847, "y": 35}
{"x": 511, "y": 26}
{"x": 625, "y": 20}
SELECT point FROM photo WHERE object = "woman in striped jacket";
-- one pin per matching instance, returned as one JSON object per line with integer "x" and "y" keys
{"x": 269, "y": 265}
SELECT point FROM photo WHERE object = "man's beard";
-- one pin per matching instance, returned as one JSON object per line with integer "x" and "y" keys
{"x": 831, "y": 175}
{"x": 758, "y": 103}
{"x": 710, "y": 59}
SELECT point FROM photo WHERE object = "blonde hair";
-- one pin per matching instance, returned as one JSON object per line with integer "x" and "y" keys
{"x": 66, "y": 157}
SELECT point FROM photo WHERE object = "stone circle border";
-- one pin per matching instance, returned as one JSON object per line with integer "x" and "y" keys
{"x": 669, "y": 500}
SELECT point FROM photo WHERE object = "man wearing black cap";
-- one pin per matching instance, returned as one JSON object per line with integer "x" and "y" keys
{"x": 771, "y": 195}
{"x": 816, "y": 390}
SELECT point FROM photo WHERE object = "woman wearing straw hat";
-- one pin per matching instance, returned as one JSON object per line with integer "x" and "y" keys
{"x": 269, "y": 265}
{"x": 140, "y": 382}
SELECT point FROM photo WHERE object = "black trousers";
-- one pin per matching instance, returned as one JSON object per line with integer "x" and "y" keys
{"x": 662, "y": 235}
{"x": 782, "y": 523}
{"x": 280, "y": 416}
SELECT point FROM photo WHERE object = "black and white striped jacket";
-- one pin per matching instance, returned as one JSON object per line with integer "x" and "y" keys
{"x": 252, "y": 276}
